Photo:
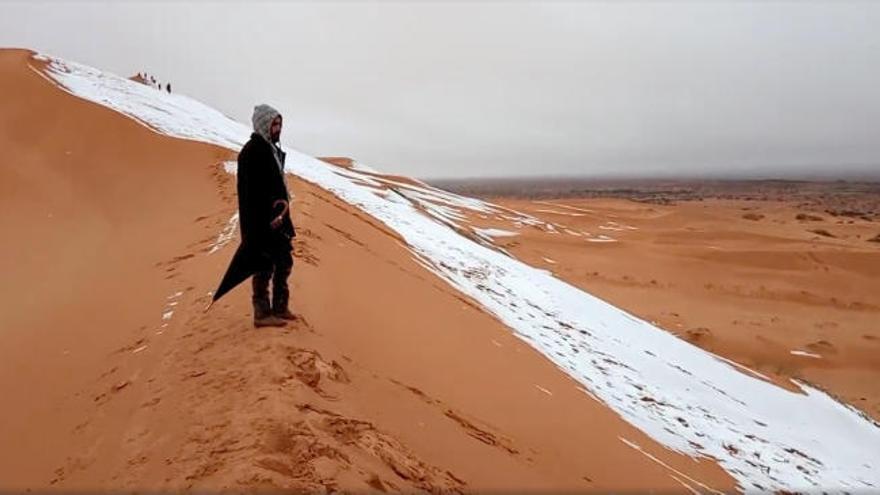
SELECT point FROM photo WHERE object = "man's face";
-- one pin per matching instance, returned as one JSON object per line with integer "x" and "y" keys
{"x": 275, "y": 129}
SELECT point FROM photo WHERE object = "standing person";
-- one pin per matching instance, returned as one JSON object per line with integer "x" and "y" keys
{"x": 263, "y": 205}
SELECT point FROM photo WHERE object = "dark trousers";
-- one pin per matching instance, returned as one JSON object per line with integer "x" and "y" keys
{"x": 278, "y": 273}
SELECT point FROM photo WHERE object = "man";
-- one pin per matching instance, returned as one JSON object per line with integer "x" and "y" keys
{"x": 264, "y": 217}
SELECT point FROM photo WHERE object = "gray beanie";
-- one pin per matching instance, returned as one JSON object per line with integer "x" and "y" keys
{"x": 262, "y": 120}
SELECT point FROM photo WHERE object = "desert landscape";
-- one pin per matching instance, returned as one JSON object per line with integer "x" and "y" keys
{"x": 781, "y": 276}
{"x": 666, "y": 341}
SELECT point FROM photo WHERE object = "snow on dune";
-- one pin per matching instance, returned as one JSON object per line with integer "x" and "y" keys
{"x": 495, "y": 232}
{"x": 172, "y": 114}
{"x": 568, "y": 207}
{"x": 806, "y": 354}
{"x": 360, "y": 167}
{"x": 226, "y": 235}
{"x": 554, "y": 212}
{"x": 766, "y": 437}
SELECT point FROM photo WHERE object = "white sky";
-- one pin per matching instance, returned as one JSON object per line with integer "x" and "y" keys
{"x": 457, "y": 89}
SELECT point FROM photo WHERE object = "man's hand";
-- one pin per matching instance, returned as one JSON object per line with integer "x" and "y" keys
{"x": 280, "y": 218}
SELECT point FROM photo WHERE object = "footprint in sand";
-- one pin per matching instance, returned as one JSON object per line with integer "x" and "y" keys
{"x": 698, "y": 334}
{"x": 483, "y": 434}
{"x": 105, "y": 397}
{"x": 366, "y": 437}
{"x": 822, "y": 347}
{"x": 312, "y": 370}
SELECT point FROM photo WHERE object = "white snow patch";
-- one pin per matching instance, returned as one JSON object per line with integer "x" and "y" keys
{"x": 360, "y": 167}
{"x": 636, "y": 447}
{"x": 806, "y": 354}
{"x": 601, "y": 238}
{"x": 494, "y": 232}
{"x": 172, "y": 114}
{"x": 542, "y": 389}
{"x": 617, "y": 227}
{"x": 226, "y": 235}
{"x": 554, "y": 212}
{"x": 560, "y": 205}
{"x": 685, "y": 485}
{"x": 743, "y": 367}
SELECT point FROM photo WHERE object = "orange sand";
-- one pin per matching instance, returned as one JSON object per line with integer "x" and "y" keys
{"x": 392, "y": 380}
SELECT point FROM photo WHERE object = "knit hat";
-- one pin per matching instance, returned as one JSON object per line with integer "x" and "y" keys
{"x": 262, "y": 120}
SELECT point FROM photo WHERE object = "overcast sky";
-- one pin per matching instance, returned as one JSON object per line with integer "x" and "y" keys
{"x": 456, "y": 89}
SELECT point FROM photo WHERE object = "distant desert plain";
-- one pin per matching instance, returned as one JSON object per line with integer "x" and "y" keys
{"x": 782, "y": 276}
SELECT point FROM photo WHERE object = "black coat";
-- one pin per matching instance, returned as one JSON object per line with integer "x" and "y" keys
{"x": 260, "y": 184}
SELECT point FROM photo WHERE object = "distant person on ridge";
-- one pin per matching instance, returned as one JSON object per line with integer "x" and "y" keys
{"x": 264, "y": 216}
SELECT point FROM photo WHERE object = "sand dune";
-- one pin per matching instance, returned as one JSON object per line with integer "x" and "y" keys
{"x": 414, "y": 366}
{"x": 91, "y": 203}
{"x": 118, "y": 380}
{"x": 752, "y": 291}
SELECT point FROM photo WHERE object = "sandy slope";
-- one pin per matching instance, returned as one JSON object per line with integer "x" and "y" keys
{"x": 114, "y": 377}
{"x": 91, "y": 203}
{"x": 750, "y": 290}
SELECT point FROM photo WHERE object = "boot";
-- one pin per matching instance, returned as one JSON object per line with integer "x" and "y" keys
{"x": 269, "y": 321}
{"x": 263, "y": 316}
{"x": 262, "y": 311}
{"x": 280, "y": 298}
{"x": 285, "y": 314}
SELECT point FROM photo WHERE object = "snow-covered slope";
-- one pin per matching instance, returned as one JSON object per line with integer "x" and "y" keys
{"x": 766, "y": 437}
